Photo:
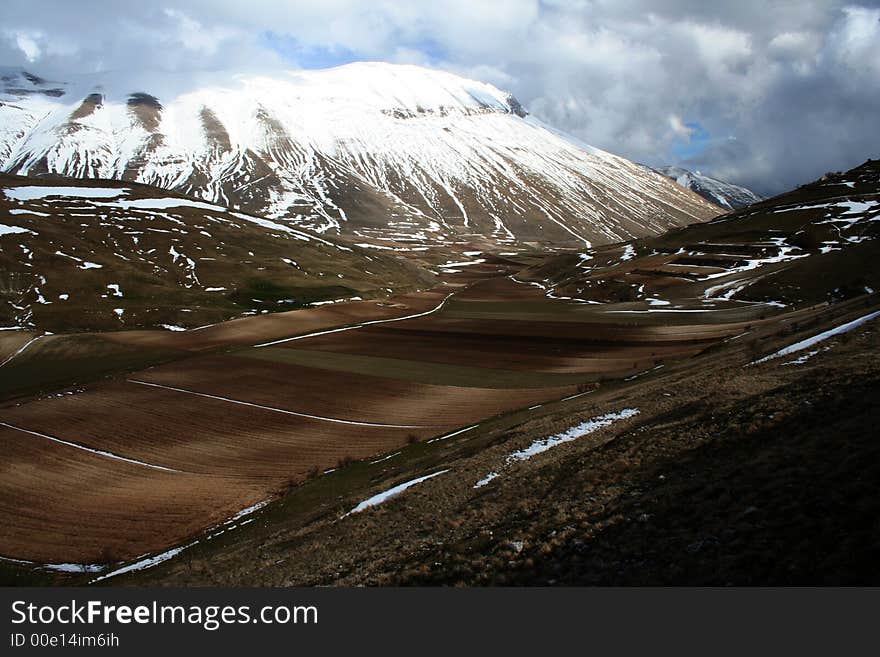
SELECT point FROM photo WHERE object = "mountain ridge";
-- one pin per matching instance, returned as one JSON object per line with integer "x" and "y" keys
{"x": 722, "y": 193}
{"x": 371, "y": 150}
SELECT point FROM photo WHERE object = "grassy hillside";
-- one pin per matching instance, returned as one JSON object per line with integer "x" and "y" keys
{"x": 817, "y": 243}
{"x": 105, "y": 255}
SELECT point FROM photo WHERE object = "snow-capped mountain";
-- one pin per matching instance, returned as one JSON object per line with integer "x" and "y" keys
{"x": 369, "y": 150}
{"x": 725, "y": 194}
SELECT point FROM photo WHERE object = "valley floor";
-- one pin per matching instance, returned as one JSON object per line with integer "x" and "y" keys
{"x": 242, "y": 466}
{"x": 728, "y": 475}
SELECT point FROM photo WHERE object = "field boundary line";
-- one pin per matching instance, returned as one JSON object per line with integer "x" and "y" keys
{"x": 357, "y": 326}
{"x": 282, "y": 410}
{"x": 21, "y": 349}
{"x": 98, "y": 452}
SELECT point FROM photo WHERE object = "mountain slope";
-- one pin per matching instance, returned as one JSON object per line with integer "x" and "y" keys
{"x": 817, "y": 243}
{"x": 373, "y": 150}
{"x": 725, "y": 194}
{"x": 80, "y": 254}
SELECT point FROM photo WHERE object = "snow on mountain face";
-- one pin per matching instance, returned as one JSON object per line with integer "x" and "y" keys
{"x": 727, "y": 195}
{"x": 373, "y": 150}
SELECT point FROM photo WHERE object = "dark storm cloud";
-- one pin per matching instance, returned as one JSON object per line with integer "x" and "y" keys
{"x": 765, "y": 94}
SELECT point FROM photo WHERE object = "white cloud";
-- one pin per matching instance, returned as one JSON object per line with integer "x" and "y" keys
{"x": 28, "y": 46}
{"x": 678, "y": 127}
{"x": 795, "y": 83}
{"x": 854, "y": 42}
{"x": 717, "y": 46}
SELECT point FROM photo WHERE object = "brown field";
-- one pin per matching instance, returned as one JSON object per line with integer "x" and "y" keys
{"x": 347, "y": 396}
{"x": 274, "y": 326}
{"x": 501, "y": 287}
{"x": 201, "y": 435}
{"x": 12, "y": 341}
{"x": 62, "y": 504}
{"x": 601, "y": 332}
{"x": 290, "y": 410}
{"x": 570, "y": 354}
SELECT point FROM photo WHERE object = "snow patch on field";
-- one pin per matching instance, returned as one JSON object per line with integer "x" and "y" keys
{"x": 74, "y": 567}
{"x": 247, "y": 511}
{"x": 149, "y": 562}
{"x": 659, "y": 310}
{"x": 391, "y": 492}
{"x": 544, "y": 444}
{"x": 163, "y": 204}
{"x": 186, "y": 263}
{"x": 454, "y": 433}
{"x": 575, "y": 396}
{"x": 385, "y": 458}
{"x": 59, "y": 567}
{"x": 485, "y": 480}
{"x": 809, "y": 342}
{"x": 800, "y": 360}
{"x": 155, "y": 560}
{"x": 730, "y": 288}
{"x": 785, "y": 253}
{"x": 34, "y": 212}
{"x": 465, "y": 263}
{"x": 643, "y": 372}
{"x": 33, "y": 193}
{"x": 583, "y": 429}
{"x": 331, "y": 301}
{"x": 14, "y": 230}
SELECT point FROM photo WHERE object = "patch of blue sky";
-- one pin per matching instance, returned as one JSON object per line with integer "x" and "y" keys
{"x": 698, "y": 141}
{"x": 309, "y": 56}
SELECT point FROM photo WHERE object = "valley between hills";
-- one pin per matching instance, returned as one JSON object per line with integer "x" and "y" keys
{"x": 693, "y": 406}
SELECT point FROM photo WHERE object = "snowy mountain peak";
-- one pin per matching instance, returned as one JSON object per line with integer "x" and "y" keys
{"x": 16, "y": 81}
{"x": 377, "y": 151}
{"x": 418, "y": 90}
{"x": 725, "y": 194}
{"x": 368, "y": 85}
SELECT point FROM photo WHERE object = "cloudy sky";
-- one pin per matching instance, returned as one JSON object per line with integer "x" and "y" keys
{"x": 766, "y": 94}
